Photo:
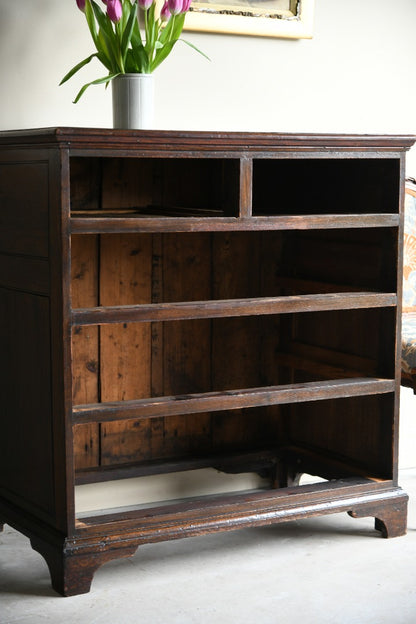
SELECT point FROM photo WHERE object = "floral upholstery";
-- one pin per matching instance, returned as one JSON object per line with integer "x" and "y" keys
{"x": 409, "y": 289}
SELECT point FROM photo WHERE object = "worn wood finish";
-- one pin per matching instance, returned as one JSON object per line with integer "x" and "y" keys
{"x": 73, "y": 573}
{"x": 248, "y": 509}
{"x": 172, "y": 301}
{"x": 104, "y": 224}
{"x": 85, "y": 348}
{"x": 231, "y": 399}
{"x": 72, "y": 569}
{"x": 125, "y": 349}
{"x": 227, "y": 308}
{"x": 85, "y": 178}
{"x": 92, "y": 141}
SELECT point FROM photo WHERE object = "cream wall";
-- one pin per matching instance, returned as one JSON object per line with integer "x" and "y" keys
{"x": 355, "y": 75}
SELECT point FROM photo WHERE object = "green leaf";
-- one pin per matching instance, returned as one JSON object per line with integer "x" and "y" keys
{"x": 165, "y": 35}
{"x": 125, "y": 15}
{"x": 137, "y": 61}
{"x": 168, "y": 37}
{"x": 162, "y": 54}
{"x": 136, "y": 38}
{"x": 137, "y": 51}
{"x": 89, "y": 15}
{"x": 101, "y": 17}
{"x": 109, "y": 37}
{"x": 104, "y": 80}
{"x": 173, "y": 28}
{"x": 191, "y": 45}
{"x": 151, "y": 30}
{"x": 105, "y": 61}
{"x": 130, "y": 65}
{"x": 128, "y": 32}
{"x": 107, "y": 51}
{"x": 178, "y": 26}
{"x": 77, "y": 68}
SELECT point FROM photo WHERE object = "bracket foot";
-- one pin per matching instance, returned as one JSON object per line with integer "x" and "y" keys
{"x": 390, "y": 516}
{"x": 71, "y": 569}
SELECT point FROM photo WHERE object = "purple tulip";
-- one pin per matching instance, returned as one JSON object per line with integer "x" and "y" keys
{"x": 175, "y": 6}
{"x": 185, "y": 6}
{"x": 165, "y": 13}
{"x": 81, "y": 5}
{"x": 114, "y": 10}
{"x": 145, "y": 4}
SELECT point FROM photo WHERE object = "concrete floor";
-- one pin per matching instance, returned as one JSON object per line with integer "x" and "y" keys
{"x": 327, "y": 570}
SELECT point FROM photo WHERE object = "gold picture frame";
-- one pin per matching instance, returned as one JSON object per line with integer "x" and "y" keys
{"x": 268, "y": 18}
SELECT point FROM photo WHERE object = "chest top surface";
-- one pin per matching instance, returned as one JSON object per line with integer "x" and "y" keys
{"x": 198, "y": 141}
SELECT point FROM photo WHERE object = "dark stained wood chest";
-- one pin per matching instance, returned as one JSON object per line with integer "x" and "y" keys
{"x": 183, "y": 301}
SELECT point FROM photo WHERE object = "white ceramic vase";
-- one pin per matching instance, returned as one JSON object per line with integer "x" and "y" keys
{"x": 133, "y": 101}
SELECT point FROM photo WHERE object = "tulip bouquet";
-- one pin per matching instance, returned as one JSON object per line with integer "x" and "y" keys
{"x": 118, "y": 40}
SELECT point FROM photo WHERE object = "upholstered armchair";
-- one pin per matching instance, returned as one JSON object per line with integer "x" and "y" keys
{"x": 409, "y": 289}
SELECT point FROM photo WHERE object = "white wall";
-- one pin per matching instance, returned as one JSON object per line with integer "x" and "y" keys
{"x": 355, "y": 75}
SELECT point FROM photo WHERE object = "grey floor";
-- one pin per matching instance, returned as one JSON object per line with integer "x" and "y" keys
{"x": 331, "y": 569}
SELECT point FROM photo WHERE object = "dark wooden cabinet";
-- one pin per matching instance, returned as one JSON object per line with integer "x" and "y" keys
{"x": 174, "y": 302}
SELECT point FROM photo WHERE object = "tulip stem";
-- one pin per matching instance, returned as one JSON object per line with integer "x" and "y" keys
{"x": 119, "y": 36}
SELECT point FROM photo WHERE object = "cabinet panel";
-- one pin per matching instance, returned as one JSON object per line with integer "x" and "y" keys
{"x": 24, "y": 208}
{"x": 26, "y": 460}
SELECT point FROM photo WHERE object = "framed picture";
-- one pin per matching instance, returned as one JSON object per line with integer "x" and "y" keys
{"x": 270, "y": 18}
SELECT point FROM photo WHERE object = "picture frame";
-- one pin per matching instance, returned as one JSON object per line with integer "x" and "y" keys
{"x": 267, "y": 18}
